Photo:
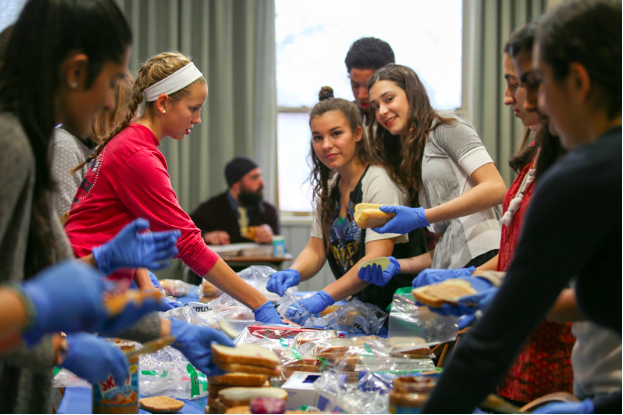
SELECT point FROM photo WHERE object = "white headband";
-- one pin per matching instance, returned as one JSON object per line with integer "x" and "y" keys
{"x": 173, "y": 83}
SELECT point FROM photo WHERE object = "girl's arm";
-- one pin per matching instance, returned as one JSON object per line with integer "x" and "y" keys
{"x": 488, "y": 192}
{"x": 142, "y": 280}
{"x": 416, "y": 264}
{"x": 566, "y": 308}
{"x": 311, "y": 259}
{"x": 350, "y": 284}
{"x": 490, "y": 265}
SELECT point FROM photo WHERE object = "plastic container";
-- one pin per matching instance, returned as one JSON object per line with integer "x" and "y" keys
{"x": 279, "y": 246}
{"x": 110, "y": 398}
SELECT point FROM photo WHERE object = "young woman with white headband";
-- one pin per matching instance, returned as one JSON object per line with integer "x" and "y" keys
{"x": 128, "y": 178}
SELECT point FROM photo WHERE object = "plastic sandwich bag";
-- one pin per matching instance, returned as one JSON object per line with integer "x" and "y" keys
{"x": 353, "y": 317}
{"x": 408, "y": 319}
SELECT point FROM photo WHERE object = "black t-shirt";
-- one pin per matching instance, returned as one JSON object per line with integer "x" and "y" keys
{"x": 572, "y": 231}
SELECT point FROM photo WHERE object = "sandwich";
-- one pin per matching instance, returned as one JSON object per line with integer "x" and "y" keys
{"x": 161, "y": 404}
{"x": 368, "y": 215}
{"x": 448, "y": 291}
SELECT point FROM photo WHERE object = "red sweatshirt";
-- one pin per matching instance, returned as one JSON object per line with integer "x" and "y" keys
{"x": 129, "y": 180}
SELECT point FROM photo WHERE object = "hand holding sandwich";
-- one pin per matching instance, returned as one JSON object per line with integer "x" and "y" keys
{"x": 406, "y": 220}
{"x": 483, "y": 293}
{"x": 374, "y": 273}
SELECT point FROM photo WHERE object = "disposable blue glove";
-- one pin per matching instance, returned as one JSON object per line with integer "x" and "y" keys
{"x": 433, "y": 276}
{"x": 469, "y": 304}
{"x": 266, "y": 313}
{"x": 374, "y": 274}
{"x": 131, "y": 249}
{"x": 317, "y": 302}
{"x": 584, "y": 407}
{"x": 94, "y": 359}
{"x": 406, "y": 219}
{"x": 195, "y": 342}
{"x": 65, "y": 297}
{"x": 280, "y": 281}
{"x": 154, "y": 280}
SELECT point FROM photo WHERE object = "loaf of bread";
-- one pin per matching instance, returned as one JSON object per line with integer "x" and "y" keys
{"x": 161, "y": 404}
{"x": 238, "y": 379}
{"x": 247, "y": 354}
{"x": 448, "y": 291}
{"x": 242, "y": 396}
{"x": 368, "y": 215}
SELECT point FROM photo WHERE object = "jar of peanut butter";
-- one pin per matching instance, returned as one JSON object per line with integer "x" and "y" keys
{"x": 110, "y": 398}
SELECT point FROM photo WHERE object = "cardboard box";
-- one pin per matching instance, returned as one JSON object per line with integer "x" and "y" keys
{"x": 301, "y": 392}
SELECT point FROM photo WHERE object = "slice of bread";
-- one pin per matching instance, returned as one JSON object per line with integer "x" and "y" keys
{"x": 448, "y": 291}
{"x": 242, "y": 409}
{"x": 250, "y": 369}
{"x": 161, "y": 404}
{"x": 238, "y": 379}
{"x": 242, "y": 396}
{"x": 330, "y": 310}
{"x": 248, "y": 354}
{"x": 370, "y": 216}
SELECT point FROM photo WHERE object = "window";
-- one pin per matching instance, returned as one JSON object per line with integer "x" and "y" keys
{"x": 9, "y": 12}
{"x": 312, "y": 40}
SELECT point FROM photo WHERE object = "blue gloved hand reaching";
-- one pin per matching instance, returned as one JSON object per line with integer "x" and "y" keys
{"x": 406, "y": 219}
{"x": 469, "y": 304}
{"x": 266, "y": 313}
{"x": 314, "y": 305}
{"x": 374, "y": 274}
{"x": 195, "y": 342}
{"x": 132, "y": 249}
{"x": 430, "y": 276}
{"x": 94, "y": 359}
{"x": 280, "y": 281}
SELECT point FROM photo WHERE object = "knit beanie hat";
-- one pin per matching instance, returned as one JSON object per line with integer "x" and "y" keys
{"x": 237, "y": 168}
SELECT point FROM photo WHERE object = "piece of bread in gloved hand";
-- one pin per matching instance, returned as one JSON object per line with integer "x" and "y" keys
{"x": 368, "y": 215}
{"x": 448, "y": 291}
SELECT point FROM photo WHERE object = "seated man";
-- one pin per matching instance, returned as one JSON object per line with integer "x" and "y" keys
{"x": 239, "y": 214}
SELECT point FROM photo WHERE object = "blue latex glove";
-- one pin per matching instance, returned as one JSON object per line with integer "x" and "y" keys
{"x": 433, "y": 276}
{"x": 166, "y": 305}
{"x": 406, "y": 219}
{"x": 94, "y": 359}
{"x": 374, "y": 274}
{"x": 195, "y": 342}
{"x": 132, "y": 313}
{"x": 131, "y": 249}
{"x": 469, "y": 304}
{"x": 314, "y": 304}
{"x": 266, "y": 313}
{"x": 280, "y": 281}
{"x": 65, "y": 297}
{"x": 584, "y": 407}
{"x": 154, "y": 280}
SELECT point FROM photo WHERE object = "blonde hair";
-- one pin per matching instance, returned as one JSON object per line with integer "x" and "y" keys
{"x": 106, "y": 120}
{"x": 154, "y": 70}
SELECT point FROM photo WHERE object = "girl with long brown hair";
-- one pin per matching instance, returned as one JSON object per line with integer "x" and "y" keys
{"x": 440, "y": 160}
{"x": 343, "y": 175}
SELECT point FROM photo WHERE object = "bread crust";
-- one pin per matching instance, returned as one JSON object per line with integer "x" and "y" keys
{"x": 161, "y": 404}
{"x": 371, "y": 217}
{"x": 449, "y": 291}
{"x": 238, "y": 379}
{"x": 250, "y": 369}
{"x": 248, "y": 354}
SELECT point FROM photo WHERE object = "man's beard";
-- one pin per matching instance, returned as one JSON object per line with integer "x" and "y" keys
{"x": 248, "y": 199}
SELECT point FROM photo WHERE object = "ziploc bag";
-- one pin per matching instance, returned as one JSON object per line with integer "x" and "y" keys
{"x": 410, "y": 319}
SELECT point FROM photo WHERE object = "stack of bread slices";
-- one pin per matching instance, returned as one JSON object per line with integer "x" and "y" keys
{"x": 250, "y": 367}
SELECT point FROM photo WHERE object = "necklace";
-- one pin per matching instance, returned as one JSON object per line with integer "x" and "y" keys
{"x": 514, "y": 205}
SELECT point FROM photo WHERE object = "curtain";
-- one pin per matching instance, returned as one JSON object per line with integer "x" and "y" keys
{"x": 233, "y": 44}
{"x": 487, "y": 26}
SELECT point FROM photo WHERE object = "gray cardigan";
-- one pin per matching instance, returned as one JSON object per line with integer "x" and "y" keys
{"x": 26, "y": 373}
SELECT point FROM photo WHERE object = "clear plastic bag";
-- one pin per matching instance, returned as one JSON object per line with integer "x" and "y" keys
{"x": 353, "y": 317}
{"x": 409, "y": 319}
{"x": 176, "y": 288}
